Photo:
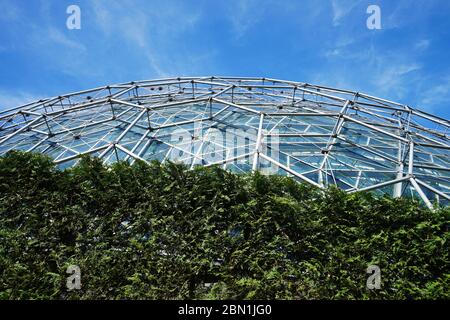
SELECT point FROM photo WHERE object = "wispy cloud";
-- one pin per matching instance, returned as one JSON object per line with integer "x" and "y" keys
{"x": 103, "y": 17}
{"x": 341, "y": 46}
{"x": 146, "y": 30}
{"x": 394, "y": 79}
{"x": 422, "y": 44}
{"x": 46, "y": 40}
{"x": 341, "y": 9}
{"x": 10, "y": 100}
{"x": 394, "y": 72}
{"x": 135, "y": 30}
{"x": 436, "y": 96}
{"x": 390, "y": 74}
{"x": 58, "y": 37}
{"x": 10, "y": 11}
{"x": 244, "y": 15}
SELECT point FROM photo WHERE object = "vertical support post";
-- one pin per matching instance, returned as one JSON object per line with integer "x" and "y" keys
{"x": 320, "y": 178}
{"x": 288, "y": 164}
{"x": 148, "y": 119}
{"x": 210, "y": 108}
{"x": 411, "y": 159}
{"x": 228, "y": 156}
{"x": 258, "y": 144}
{"x": 115, "y": 151}
{"x": 112, "y": 109}
{"x": 48, "y": 126}
{"x": 293, "y": 95}
{"x": 399, "y": 186}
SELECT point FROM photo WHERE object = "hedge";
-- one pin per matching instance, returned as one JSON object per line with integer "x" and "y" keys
{"x": 161, "y": 231}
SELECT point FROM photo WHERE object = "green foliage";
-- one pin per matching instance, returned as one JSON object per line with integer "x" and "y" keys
{"x": 163, "y": 232}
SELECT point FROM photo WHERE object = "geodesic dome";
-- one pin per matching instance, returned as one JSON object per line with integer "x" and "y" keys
{"x": 317, "y": 135}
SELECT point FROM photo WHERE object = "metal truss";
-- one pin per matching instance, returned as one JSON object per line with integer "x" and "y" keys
{"x": 315, "y": 134}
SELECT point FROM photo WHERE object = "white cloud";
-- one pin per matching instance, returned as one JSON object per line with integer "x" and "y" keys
{"x": 437, "y": 96}
{"x": 9, "y": 11}
{"x": 388, "y": 74}
{"x": 244, "y": 15}
{"x": 333, "y": 53}
{"x": 392, "y": 75}
{"x": 341, "y": 47}
{"x": 341, "y": 8}
{"x": 103, "y": 17}
{"x": 395, "y": 79}
{"x": 134, "y": 29}
{"x": 150, "y": 29}
{"x": 60, "y": 38}
{"x": 423, "y": 44}
{"x": 10, "y": 100}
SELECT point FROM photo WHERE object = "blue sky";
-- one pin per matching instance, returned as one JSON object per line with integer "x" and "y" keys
{"x": 316, "y": 41}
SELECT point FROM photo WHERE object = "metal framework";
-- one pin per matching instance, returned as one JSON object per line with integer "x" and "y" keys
{"x": 315, "y": 134}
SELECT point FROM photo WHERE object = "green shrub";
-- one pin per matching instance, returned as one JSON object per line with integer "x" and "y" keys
{"x": 164, "y": 232}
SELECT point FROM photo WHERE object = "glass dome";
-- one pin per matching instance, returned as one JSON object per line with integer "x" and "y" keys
{"x": 318, "y": 135}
